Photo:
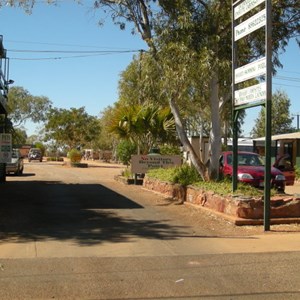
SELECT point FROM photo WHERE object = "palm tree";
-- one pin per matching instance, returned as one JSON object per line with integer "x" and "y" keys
{"x": 146, "y": 126}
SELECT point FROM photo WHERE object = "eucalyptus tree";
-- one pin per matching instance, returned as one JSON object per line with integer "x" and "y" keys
{"x": 281, "y": 117}
{"x": 71, "y": 128}
{"x": 199, "y": 31}
{"x": 22, "y": 106}
{"x": 203, "y": 27}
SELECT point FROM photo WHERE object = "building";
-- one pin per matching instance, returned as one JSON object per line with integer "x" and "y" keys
{"x": 282, "y": 144}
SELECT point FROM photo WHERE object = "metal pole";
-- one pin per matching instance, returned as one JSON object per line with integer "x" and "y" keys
{"x": 234, "y": 111}
{"x": 268, "y": 44}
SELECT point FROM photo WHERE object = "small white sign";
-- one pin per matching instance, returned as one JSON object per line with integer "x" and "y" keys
{"x": 5, "y": 147}
{"x": 142, "y": 163}
{"x": 251, "y": 94}
{"x": 255, "y": 22}
{"x": 245, "y": 6}
{"x": 251, "y": 70}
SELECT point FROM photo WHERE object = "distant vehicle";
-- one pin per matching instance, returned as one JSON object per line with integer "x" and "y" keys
{"x": 284, "y": 164}
{"x": 251, "y": 170}
{"x": 16, "y": 165}
{"x": 35, "y": 154}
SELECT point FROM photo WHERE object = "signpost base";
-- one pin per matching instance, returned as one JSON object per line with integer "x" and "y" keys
{"x": 2, "y": 172}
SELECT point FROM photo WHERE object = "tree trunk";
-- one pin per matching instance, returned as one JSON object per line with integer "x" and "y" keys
{"x": 200, "y": 167}
{"x": 215, "y": 132}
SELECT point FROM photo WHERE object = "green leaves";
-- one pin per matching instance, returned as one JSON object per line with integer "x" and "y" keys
{"x": 281, "y": 119}
{"x": 145, "y": 126}
{"x": 71, "y": 128}
{"x": 23, "y": 106}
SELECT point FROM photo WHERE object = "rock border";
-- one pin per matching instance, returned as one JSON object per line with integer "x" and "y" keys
{"x": 240, "y": 210}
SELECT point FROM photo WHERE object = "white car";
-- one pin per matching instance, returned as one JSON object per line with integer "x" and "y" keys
{"x": 16, "y": 166}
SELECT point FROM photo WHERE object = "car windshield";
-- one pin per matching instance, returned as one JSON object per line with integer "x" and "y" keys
{"x": 247, "y": 159}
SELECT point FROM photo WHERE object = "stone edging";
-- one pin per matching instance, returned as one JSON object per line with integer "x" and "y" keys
{"x": 243, "y": 210}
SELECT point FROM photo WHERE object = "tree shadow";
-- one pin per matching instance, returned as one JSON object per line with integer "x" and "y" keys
{"x": 86, "y": 213}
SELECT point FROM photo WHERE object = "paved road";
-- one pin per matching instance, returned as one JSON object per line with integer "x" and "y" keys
{"x": 77, "y": 234}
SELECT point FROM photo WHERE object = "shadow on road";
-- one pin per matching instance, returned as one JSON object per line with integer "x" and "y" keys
{"x": 87, "y": 214}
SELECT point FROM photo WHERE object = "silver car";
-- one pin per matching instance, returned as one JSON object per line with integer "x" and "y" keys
{"x": 16, "y": 165}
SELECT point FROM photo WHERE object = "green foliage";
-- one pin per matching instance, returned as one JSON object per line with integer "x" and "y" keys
{"x": 71, "y": 128}
{"x": 106, "y": 140}
{"x": 40, "y": 146}
{"x": 146, "y": 126}
{"x": 19, "y": 136}
{"x": 183, "y": 175}
{"x": 186, "y": 175}
{"x": 74, "y": 155}
{"x": 124, "y": 151}
{"x": 224, "y": 187}
{"x": 281, "y": 118}
{"x": 23, "y": 106}
{"x": 169, "y": 150}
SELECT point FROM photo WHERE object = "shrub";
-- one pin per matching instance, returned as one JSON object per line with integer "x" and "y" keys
{"x": 124, "y": 151}
{"x": 183, "y": 175}
{"x": 74, "y": 155}
{"x": 169, "y": 150}
{"x": 186, "y": 175}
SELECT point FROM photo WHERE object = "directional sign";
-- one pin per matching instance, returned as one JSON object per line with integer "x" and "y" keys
{"x": 5, "y": 148}
{"x": 250, "y": 25}
{"x": 245, "y": 6}
{"x": 253, "y": 93}
{"x": 142, "y": 163}
{"x": 251, "y": 70}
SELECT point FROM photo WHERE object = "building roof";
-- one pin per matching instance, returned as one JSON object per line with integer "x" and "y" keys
{"x": 285, "y": 136}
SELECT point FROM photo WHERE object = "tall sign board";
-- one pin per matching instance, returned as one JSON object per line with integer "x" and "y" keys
{"x": 252, "y": 82}
{"x": 5, "y": 147}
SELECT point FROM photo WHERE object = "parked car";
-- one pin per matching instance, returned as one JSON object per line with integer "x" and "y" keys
{"x": 35, "y": 154}
{"x": 16, "y": 165}
{"x": 285, "y": 165}
{"x": 251, "y": 170}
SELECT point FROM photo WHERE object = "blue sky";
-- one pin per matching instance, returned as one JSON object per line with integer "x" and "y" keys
{"x": 91, "y": 81}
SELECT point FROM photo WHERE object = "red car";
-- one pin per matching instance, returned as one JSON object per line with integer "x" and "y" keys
{"x": 251, "y": 170}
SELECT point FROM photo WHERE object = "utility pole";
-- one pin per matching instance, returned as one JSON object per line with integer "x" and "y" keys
{"x": 297, "y": 115}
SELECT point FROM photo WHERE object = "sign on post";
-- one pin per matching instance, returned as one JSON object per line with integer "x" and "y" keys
{"x": 258, "y": 91}
{"x": 251, "y": 94}
{"x": 5, "y": 148}
{"x": 142, "y": 163}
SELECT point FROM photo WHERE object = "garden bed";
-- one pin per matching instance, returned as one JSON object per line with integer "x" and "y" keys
{"x": 241, "y": 210}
